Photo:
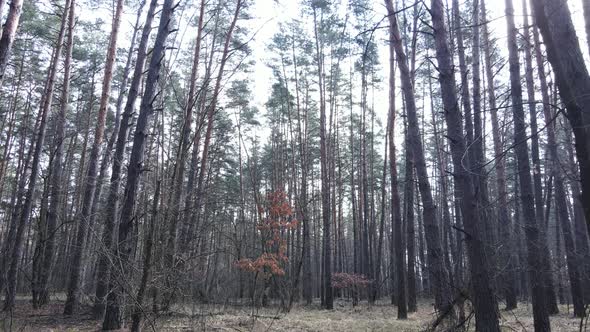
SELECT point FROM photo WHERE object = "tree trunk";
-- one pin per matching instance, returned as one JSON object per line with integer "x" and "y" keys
{"x": 410, "y": 228}
{"x": 534, "y": 241}
{"x": 183, "y": 148}
{"x": 83, "y": 215}
{"x": 107, "y": 153}
{"x": 355, "y": 230}
{"x": 508, "y": 278}
{"x": 538, "y": 190}
{"x": 377, "y": 284}
{"x": 209, "y": 112}
{"x": 581, "y": 236}
{"x": 54, "y": 212}
{"x": 325, "y": 180}
{"x": 483, "y": 297}
{"x": 303, "y": 155}
{"x": 147, "y": 262}
{"x": 124, "y": 246}
{"x": 8, "y": 33}
{"x": 573, "y": 263}
{"x": 18, "y": 191}
{"x": 586, "y": 7}
{"x": 480, "y": 177}
{"x": 437, "y": 270}
{"x": 211, "y": 109}
{"x": 396, "y": 213}
{"x": 27, "y": 205}
{"x": 111, "y": 204}
{"x": 563, "y": 51}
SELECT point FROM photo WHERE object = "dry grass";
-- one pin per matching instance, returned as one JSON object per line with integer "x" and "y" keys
{"x": 379, "y": 317}
{"x": 521, "y": 319}
{"x": 49, "y": 318}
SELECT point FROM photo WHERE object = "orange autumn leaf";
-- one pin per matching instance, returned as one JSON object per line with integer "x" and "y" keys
{"x": 277, "y": 219}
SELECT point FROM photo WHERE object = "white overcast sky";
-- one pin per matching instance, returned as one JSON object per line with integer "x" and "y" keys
{"x": 272, "y": 13}
{"x": 267, "y": 14}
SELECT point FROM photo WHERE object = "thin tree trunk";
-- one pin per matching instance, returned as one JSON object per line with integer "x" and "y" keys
{"x": 396, "y": 213}
{"x": 147, "y": 262}
{"x": 8, "y": 33}
{"x": 211, "y": 109}
{"x": 302, "y": 138}
{"x": 83, "y": 215}
{"x": 17, "y": 196}
{"x": 107, "y": 153}
{"x": 355, "y": 230}
{"x": 508, "y": 278}
{"x": 483, "y": 297}
{"x": 441, "y": 167}
{"x": 532, "y": 232}
{"x": 27, "y": 205}
{"x": 480, "y": 173}
{"x": 538, "y": 189}
{"x": 56, "y": 182}
{"x": 581, "y": 236}
{"x": 586, "y": 7}
{"x": 8, "y": 143}
{"x": 573, "y": 263}
{"x": 124, "y": 246}
{"x": 436, "y": 266}
{"x": 183, "y": 148}
{"x": 563, "y": 51}
{"x": 111, "y": 204}
{"x": 377, "y": 283}
{"x": 325, "y": 180}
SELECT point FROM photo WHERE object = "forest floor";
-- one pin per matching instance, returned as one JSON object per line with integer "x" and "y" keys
{"x": 379, "y": 317}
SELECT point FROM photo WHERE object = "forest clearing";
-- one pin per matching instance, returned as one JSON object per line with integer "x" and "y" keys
{"x": 295, "y": 165}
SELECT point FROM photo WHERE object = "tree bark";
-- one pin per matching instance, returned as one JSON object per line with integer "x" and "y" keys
{"x": 211, "y": 109}
{"x": 410, "y": 227}
{"x": 8, "y": 33}
{"x": 508, "y": 278}
{"x": 83, "y": 215}
{"x": 124, "y": 245}
{"x": 54, "y": 212}
{"x": 479, "y": 161}
{"x": 137, "y": 314}
{"x": 563, "y": 51}
{"x": 437, "y": 270}
{"x": 325, "y": 180}
{"x": 303, "y": 156}
{"x": 183, "y": 148}
{"x": 483, "y": 298}
{"x": 108, "y": 150}
{"x": 27, "y": 205}
{"x": 396, "y": 213}
{"x": 537, "y": 182}
{"x": 111, "y": 204}
{"x": 586, "y": 8}
{"x": 574, "y": 265}
{"x": 536, "y": 269}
